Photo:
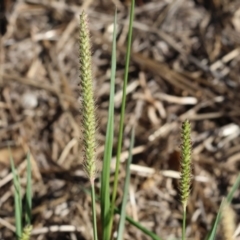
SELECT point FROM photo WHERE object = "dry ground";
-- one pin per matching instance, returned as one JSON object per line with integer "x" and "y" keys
{"x": 185, "y": 64}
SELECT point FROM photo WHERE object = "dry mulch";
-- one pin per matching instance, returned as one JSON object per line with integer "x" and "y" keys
{"x": 185, "y": 64}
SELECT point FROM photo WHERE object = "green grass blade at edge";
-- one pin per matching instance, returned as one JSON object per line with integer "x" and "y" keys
{"x": 17, "y": 198}
{"x": 213, "y": 231}
{"x": 120, "y": 133}
{"x": 28, "y": 203}
{"x": 233, "y": 189}
{"x": 125, "y": 192}
{"x": 140, "y": 227}
{"x": 105, "y": 178}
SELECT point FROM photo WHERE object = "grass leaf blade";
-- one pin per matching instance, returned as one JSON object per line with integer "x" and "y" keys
{"x": 126, "y": 187}
{"x": 17, "y": 198}
{"x": 120, "y": 133}
{"x": 213, "y": 231}
{"x": 105, "y": 178}
{"x": 140, "y": 227}
{"x": 28, "y": 203}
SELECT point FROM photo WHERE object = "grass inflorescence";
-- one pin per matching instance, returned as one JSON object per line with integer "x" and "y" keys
{"x": 186, "y": 168}
{"x": 88, "y": 104}
{"x": 26, "y": 232}
{"x": 88, "y": 112}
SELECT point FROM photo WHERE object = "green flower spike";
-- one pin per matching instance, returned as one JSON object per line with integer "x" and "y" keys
{"x": 26, "y": 233}
{"x": 88, "y": 106}
{"x": 186, "y": 169}
{"x": 88, "y": 113}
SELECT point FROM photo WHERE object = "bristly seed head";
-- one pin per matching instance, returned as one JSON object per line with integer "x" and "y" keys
{"x": 87, "y": 95}
{"x": 26, "y": 233}
{"x": 186, "y": 168}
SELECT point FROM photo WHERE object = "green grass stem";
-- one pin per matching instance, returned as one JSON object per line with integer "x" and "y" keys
{"x": 140, "y": 227}
{"x": 184, "y": 224}
{"x": 120, "y": 133}
{"x": 105, "y": 176}
{"x": 213, "y": 231}
{"x": 17, "y": 199}
{"x": 125, "y": 192}
{"x": 94, "y": 217}
{"x": 28, "y": 203}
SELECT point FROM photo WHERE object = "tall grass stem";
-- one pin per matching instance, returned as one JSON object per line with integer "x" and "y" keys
{"x": 94, "y": 218}
{"x": 120, "y": 133}
{"x": 105, "y": 176}
{"x": 126, "y": 187}
{"x": 184, "y": 224}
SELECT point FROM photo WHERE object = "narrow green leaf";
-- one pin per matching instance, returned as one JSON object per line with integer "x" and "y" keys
{"x": 213, "y": 231}
{"x": 233, "y": 189}
{"x": 140, "y": 227}
{"x": 120, "y": 133}
{"x": 105, "y": 178}
{"x": 28, "y": 203}
{"x": 125, "y": 192}
{"x": 17, "y": 198}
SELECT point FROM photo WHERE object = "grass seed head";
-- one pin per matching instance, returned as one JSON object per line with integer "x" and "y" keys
{"x": 186, "y": 168}
{"x": 88, "y": 104}
{"x": 26, "y": 233}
